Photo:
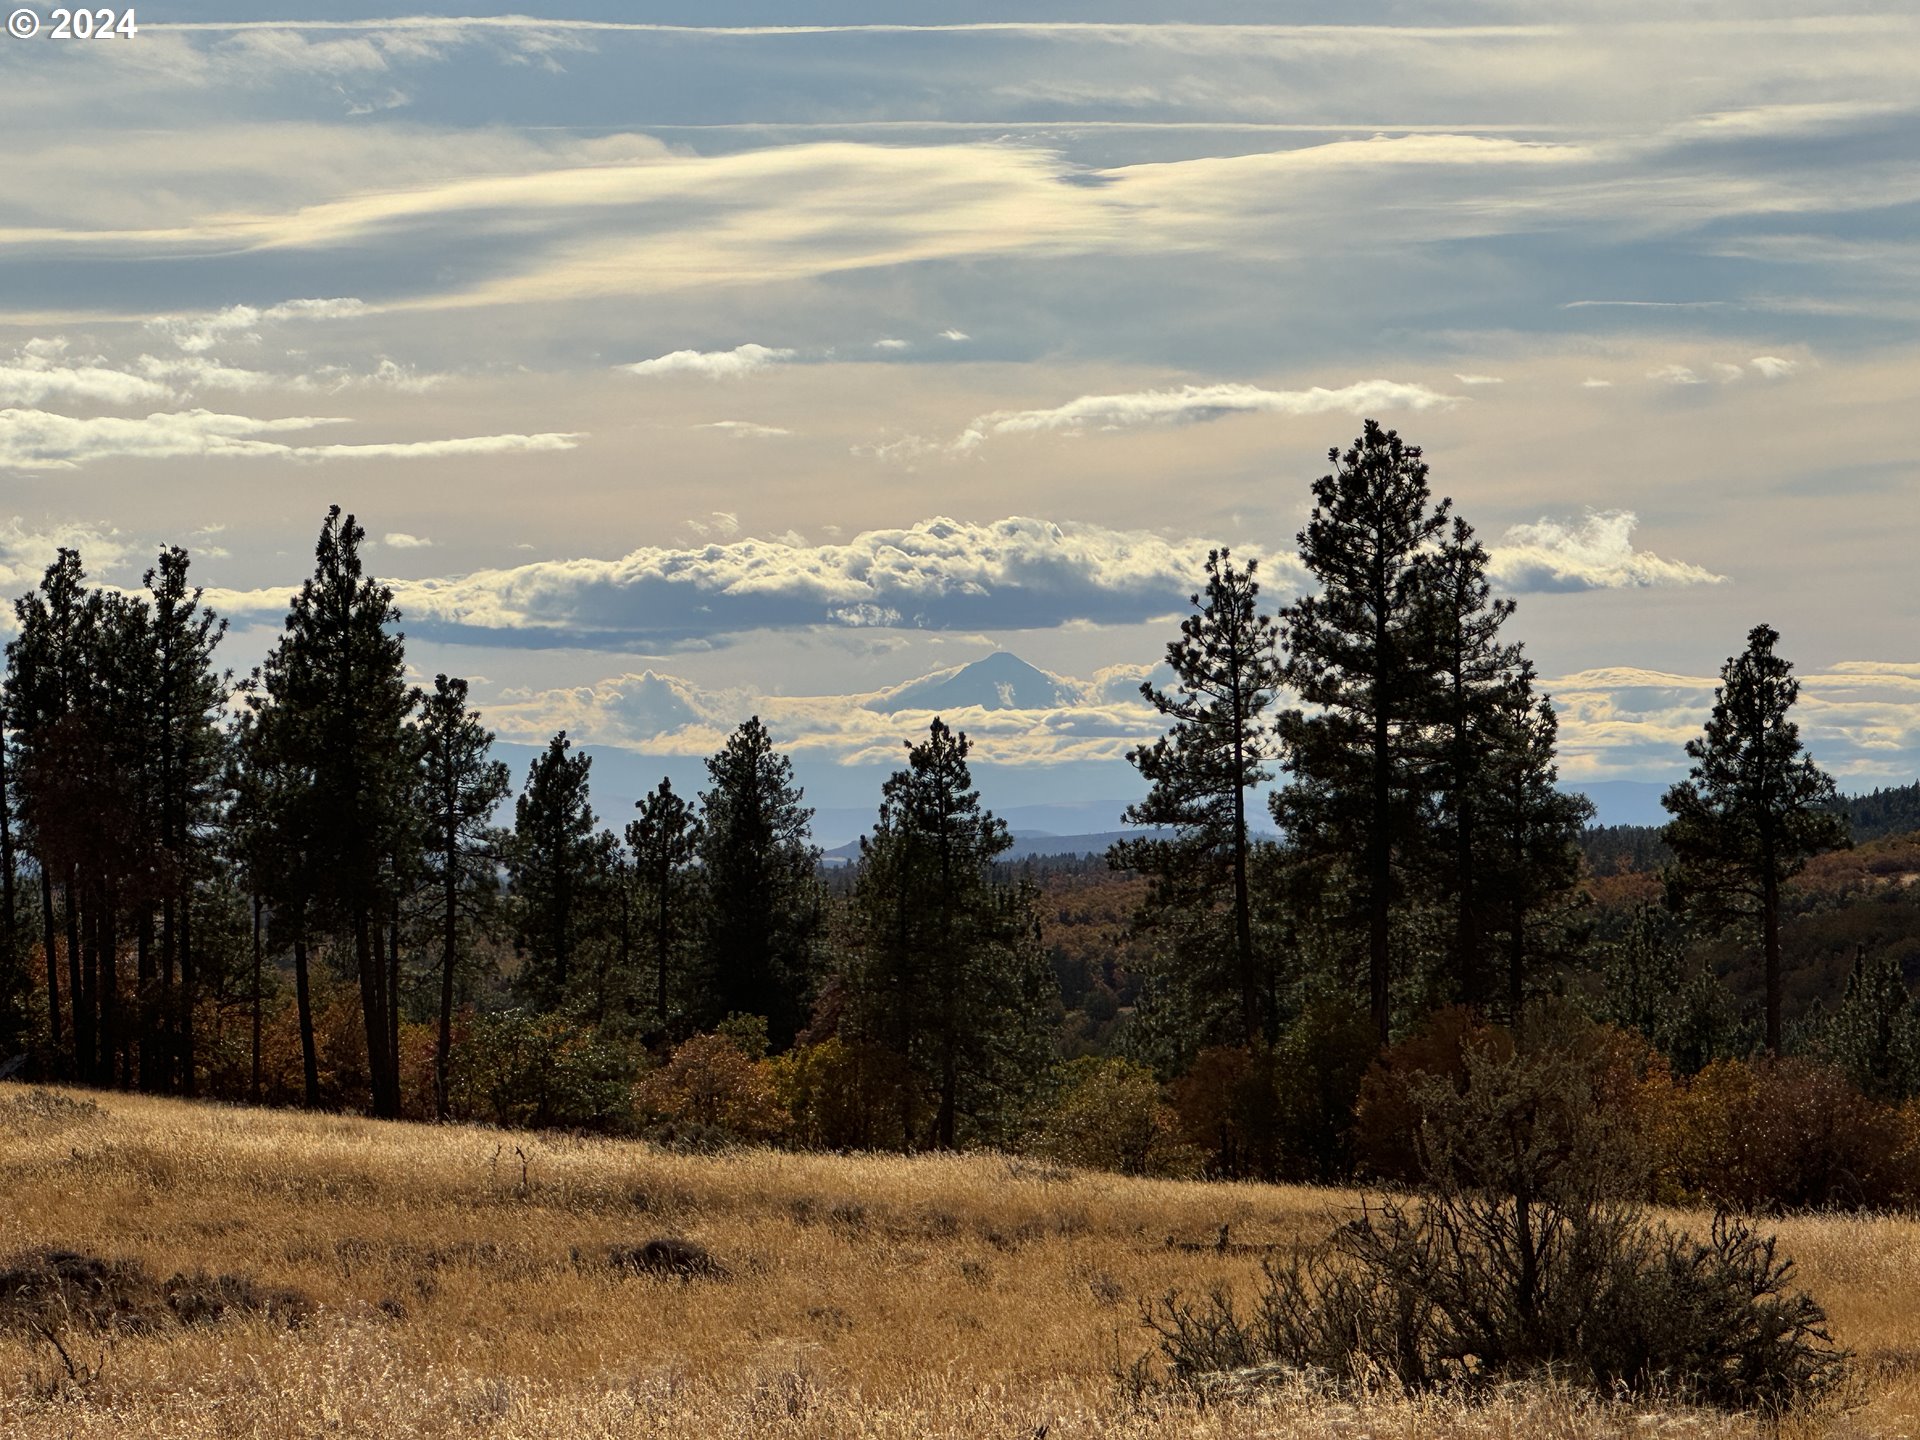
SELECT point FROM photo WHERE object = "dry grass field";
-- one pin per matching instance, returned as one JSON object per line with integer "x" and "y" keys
{"x": 460, "y": 1286}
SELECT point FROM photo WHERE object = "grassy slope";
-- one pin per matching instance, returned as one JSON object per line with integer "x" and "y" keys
{"x": 870, "y": 1296}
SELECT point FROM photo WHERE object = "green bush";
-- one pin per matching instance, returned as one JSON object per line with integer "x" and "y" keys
{"x": 542, "y": 1072}
{"x": 1108, "y": 1115}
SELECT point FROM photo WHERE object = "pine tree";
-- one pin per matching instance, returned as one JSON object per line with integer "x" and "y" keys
{"x": 1874, "y": 1035}
{"x": 334, "y": 709}
{"x": 1476, "y": 676}
{"x": 1754, "y": 808}
{"x": 45, "y": 673}
{"x": 1358, "y": 653}
{"x": 1527, "y": 860}
{"x": 945, "y": 972}
{"x": 461, "y": 787}
{"x": 761, "y": 904}
{"x": 664, "y": 841}
{"x": 1201, "y": 772}
{"x": 269, "y": 851}
{"x": 182, "y": 702}
{"x": 554, "y": 862}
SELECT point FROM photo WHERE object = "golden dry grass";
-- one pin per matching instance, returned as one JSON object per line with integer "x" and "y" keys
{"x": 871, "y": 1296}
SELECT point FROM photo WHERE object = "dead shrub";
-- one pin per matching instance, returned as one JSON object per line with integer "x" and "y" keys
{"x": 42, "y": 1289}
{"x": 1521, "y": 1260}
{"x": 668, "y": 1257}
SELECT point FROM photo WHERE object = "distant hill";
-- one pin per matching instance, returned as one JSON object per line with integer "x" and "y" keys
{"x": 1885, "y": 812}
{"x": 1615, "y": 849}
{"x": 1031, "y": 846}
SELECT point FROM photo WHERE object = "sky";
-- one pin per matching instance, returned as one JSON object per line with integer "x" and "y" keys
{"x": 686, "y": 361}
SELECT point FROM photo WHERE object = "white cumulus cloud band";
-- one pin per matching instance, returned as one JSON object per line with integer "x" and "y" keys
{"x": 732, "y": 364}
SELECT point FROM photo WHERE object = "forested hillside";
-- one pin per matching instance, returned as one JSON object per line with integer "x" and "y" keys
{"x": 290, "y": 887}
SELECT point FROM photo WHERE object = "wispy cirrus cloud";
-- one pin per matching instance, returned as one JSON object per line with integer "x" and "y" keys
{"x": 1191, "y": 404}
{"x": 42, "y": 440}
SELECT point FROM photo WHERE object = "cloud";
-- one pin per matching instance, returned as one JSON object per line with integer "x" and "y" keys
{"x": 198, "y": 333}
{"x": 745, "y": 429}
{"x": 1675, "y": 375}
{"x": 25, "y": 553}
{"x": 1594, "y": 553}
{"x": 1193, "y": 403}
{"x": 958, "y": 337}
{"x": 939, "y": 574}
{"x": 714, "y": 364}
{"x": 41, "y": 440}
{"x": 1480, "y": 379}
{"x": 1859, "y": 719}
{"x": 890, "y": 344}
{"x": 400, "y": 540}
{"x": 36, "y": 375}
{"x": 1772, "y": 367}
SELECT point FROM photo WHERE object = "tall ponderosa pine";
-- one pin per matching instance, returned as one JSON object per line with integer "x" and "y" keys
{"x": 334, "y": 710}
{"x": 15, "y": 986}
{"x": 46, "y": 676}
{"x": 1200, "y": 774}
{"x": 461, "y": 787}
{"x": 663, "y": 841}
{"x": 761, "y": 902}
{"x": 1358, "y": 652}
{"x": 555, "y": 862}
{"x": 1754, "y": 808}
{"x": 944, "y": 975}
{"x": 1474, "y": 672}
{"x": 185, "y": 748}
{"x": 1526, "y": 841}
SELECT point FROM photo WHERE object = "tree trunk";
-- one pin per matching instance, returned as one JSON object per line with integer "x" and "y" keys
{"x": 78, "y": 992}
{"x": 9, "y": 931}
{"x": 1251, "y": 1024}
{"x": 107, "y": 942}
{"x": 52, "y": 957}
{"x": 253, "y": 1083}
{"x": 662, "y": 918}
{"x": 373, "y": 1010}
{"x": 393, "y": 1003}
{"x": 148, "y": 1015}
{"x": 309, "y": 1059}
{"x": 1517, "y": 966}
{"x": 1466, "y": 934}
{"x": 1379, "y": 881}
{"x": 189, "y": 994}
{"x": 1770, "y": 940}
{"x": 169, "y": 1020}
{"x": 449, "y": 944}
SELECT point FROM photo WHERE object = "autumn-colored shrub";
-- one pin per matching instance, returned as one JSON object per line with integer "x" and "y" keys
{"x": 1386, "y": 1117}
{"x": 711, "y": 1092}
{"x": 1227, "y": 1113}
{"x": 1109, "y": 1115}
{"x": 841, "y": 1096}
{"x": 1787, "y": 1134}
